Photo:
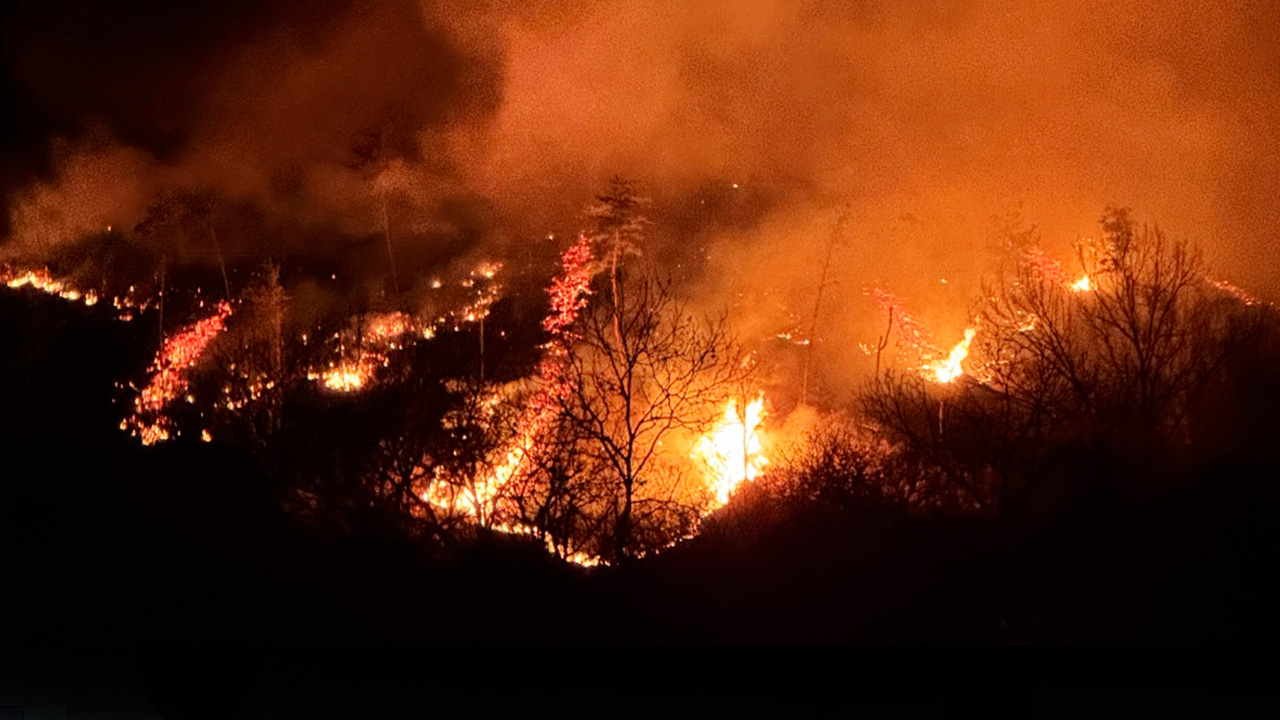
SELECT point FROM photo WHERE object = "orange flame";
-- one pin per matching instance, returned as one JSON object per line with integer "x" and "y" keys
{"x": 347, "y": 376}
{"x": 734, "y": 450}
{"x": 569, "y": 292}
{"x": 386, "y": 332}
{"x": 41, "y": 280}
{"x": 168, "y": 378}
{"x": 945, "y": 371}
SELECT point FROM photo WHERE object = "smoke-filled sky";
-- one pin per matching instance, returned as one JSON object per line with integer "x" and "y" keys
{"x": 481, "y": 125}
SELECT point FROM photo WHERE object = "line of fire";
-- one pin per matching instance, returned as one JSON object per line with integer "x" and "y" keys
{"x": 640, "y": 419}
{"x": 713, "y": 321}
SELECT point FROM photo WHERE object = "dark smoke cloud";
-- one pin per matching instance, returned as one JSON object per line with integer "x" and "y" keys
{"x": 488, "y": 122}
{"x": 307, "y": 114}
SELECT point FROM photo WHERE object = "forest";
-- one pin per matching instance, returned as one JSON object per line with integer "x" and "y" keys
{"x": 1092, "y": 463}
{"x": 719, "y": 322}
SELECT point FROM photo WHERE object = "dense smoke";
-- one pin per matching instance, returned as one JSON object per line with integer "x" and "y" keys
{"x": 754, "y": 126}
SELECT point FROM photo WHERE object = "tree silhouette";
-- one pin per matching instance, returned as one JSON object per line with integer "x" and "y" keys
{"x": 640, "y": 376}
{"x": 1116, "y": 357}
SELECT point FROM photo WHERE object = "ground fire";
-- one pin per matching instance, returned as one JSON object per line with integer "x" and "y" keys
{"x": 168, "y": 380}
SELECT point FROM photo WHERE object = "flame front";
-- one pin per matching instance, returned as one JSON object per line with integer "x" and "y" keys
{"x": 569, "y": 293}
{"x": 1082, "y": 285}
{"x": 41, "y": 280}
{"x": 734, "y": 449}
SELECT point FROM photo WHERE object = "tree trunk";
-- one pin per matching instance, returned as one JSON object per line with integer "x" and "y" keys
{"x": 622, "y": 533}
{"x": 217, "y": 248}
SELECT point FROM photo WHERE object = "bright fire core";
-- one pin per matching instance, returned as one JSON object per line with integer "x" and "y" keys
{"x": 734, "y": 450}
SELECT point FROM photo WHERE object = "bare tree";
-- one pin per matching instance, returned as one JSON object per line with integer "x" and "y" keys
{"x": 640, "y": 375}
{"x": 252, "y": 364}
{"x": 1114, "y": 355}
{"x": 811, "y": 335}
{"x": 557, "y": 494}
{"x": 447, "y": 435}
{"x": 1135, "y": 336}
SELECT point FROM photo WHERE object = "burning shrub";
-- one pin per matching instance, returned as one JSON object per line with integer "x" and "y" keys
{"x": 645, "y": 376}
{"x": 1114, "y": 363}
{"x": 848, "y": 467}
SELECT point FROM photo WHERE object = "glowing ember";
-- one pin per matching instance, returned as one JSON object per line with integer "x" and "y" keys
{"x": 945, "y": 371}
{"x": 576, "y": 557}
{"x": 379, "y": 335}
{"x": 569, "y": 292}
{"x": 1235, "y": 291}
{"x": 734, "y": 450}
{"x": 912, "y": 337}
{"x": 387, "y": 326}
{"x": 917, "y": 342}
{"x": 168, "y": 377}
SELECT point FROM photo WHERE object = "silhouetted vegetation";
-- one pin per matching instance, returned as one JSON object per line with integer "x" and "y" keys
{"x": 1103, "y": 472}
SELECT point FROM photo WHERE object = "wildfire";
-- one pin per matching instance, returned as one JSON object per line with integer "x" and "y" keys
{"x": 912, "y": 337}
{"x": 387, "y": 326}
{"x": 1235, "y": 291}
{"x": 569, "y": 292}
{"x": 1046, "y": 267}
{"x": 41, "y": 280}
{"x": 1082, "y": 285}
{"x": 168, "y": 380}
{"x": 734, "y": 450}
{"x": 947, "y": 370}
{"x": 346, "y": 376}
{"x": 383, "y": 333}
{"x": 577, "y": 557}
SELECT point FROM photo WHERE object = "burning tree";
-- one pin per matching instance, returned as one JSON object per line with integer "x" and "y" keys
{"x": 1114, "y": 358}
{"x": 619, "y": 228}
{"x": 643, "y": 373}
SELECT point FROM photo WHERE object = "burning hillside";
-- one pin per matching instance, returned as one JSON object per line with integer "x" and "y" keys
{"x": 601, "y": 278}
{"x": 631, "y": 422}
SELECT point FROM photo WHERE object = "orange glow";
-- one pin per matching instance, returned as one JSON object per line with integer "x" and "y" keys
{"x": 1082, "y": 285}
{"x": 1235, "y": 292}
{"x": 346, "y": 376}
